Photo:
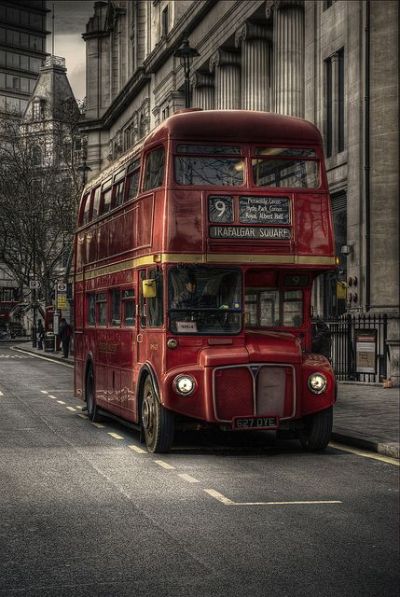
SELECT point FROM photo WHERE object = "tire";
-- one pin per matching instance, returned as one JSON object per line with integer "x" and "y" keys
{"x": 158, "y": 423}
{"x": 90, "y": 395}
{"x": 317, "y": 431}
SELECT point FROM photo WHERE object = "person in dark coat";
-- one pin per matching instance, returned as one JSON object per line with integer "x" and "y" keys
{"x": 65, "y": 333}
{"x": 40, "y": 335}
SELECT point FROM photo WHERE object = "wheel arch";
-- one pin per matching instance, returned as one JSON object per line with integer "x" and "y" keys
{"x": 145, "y": 372}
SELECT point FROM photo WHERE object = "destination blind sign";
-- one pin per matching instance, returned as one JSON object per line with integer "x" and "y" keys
{"x": 264, "y": 210}
{"x": 250, "y": 232}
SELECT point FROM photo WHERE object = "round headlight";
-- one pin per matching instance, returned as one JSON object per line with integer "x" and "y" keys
{"x": 317, "y": 383}
{"x": 184, "y": 385}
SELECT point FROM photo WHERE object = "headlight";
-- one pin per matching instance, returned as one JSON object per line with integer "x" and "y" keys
{"x": 317, "y": 383}
{"x": 184, "y": 385}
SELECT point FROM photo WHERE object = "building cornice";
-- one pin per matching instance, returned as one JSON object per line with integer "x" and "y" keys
{"x": 161, "y": 53}
{"x": 131, "y": 89}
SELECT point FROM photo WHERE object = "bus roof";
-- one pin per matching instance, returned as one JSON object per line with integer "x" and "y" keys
{"x": 240, "y": 126}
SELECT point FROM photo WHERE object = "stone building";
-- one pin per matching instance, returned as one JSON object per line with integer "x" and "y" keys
{"x": 335, "y": 63}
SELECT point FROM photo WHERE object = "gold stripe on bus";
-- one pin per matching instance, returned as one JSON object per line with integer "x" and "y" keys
{"x": 203, "y": 258}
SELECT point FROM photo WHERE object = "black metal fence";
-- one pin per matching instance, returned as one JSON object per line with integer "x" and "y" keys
{"x": 359, "y": 349}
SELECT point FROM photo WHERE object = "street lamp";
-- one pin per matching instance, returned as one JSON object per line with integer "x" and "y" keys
{"x": 84, "y": 169}
{"x": 186, "y": 54}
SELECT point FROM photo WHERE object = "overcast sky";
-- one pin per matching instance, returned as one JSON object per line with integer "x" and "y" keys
{"x": 70, "y": 18}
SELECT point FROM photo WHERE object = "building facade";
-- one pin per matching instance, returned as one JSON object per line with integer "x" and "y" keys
{"x": 335, "y": 63}
{"x": 22, "y": 50}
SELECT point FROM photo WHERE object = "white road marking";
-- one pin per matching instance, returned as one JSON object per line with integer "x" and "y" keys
{"x": 227, "y": 502}
{"x": 37, "y": 356}
{"x": 115, "y": 435}
{"x": 137, "y": 449}
{"x": 51, "y": 396}
{"x": 60, "y": 402}
{"x": 98, "y": 425}
{"x": 81, "y": 416}
{"x": 188, "y": 478}
{"x": 1, "y": 394}
{"x": 71, "y": 408}
{"x": 44, "y": 391}
{"x": 218, "y": 496}
{"x": 164, "y": 464}
{"x": 365, "y": 454}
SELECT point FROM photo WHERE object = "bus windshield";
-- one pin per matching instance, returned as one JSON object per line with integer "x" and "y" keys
{"x": 205, "y": 300}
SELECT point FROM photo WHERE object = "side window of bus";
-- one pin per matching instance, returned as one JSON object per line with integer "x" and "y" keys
{"x": 91, "y": 309}
{"x": 154, "y": 169}
{"x": 96, "y": 203}
{"x": 132, "y": 180}
{"x": 152, "y": 308}
{"x": 128, "y": 307}
{"x": 115, "y": 307}
{"x": 118, "y": 188}
{"x": 101, "y": 308}
{"x": 105, "y": 202}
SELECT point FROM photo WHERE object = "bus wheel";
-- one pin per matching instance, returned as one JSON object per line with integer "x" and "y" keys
{"x": 317, "y": 431}
{"x": 157, "y": 421}
{"x": 90, "y": 395}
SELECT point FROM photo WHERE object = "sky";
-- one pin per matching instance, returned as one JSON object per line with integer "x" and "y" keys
{"x": 70, "y": 18}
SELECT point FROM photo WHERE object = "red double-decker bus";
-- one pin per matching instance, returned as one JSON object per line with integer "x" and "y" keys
{"x": 194, "y": 262}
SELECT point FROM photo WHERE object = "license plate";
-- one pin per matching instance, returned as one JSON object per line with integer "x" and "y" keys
{"x": 240, "y": 423}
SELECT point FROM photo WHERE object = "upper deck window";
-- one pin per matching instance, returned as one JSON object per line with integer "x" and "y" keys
{"x": 132, "y": 180}
{"x": 86, "y": 209}
{"x": 285, "y": 167}
{"x": 221, "y": 167}
{"x": 96, "y": 203}
{"x": 118, "y": 188}
{"x": 154, "y": 169}
{"x": 105, "y": 197}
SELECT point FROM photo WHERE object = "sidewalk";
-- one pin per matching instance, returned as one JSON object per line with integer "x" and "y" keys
{"x": 365, "y": 415}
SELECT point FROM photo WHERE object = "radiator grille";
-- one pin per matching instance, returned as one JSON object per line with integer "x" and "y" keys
{"x": 233, "y": 393}
{"x": 234, "y": 388}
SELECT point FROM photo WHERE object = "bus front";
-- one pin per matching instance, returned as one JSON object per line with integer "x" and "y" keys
{"x": 250, "y": 228}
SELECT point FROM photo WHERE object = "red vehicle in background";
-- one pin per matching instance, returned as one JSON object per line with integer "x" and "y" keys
{"x": 194, "y": 263}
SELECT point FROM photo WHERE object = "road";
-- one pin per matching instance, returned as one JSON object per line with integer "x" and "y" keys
{"x": 85, "y": 511}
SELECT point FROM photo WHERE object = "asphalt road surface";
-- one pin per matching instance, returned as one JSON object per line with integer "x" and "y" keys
{"x": 86, "y": 511}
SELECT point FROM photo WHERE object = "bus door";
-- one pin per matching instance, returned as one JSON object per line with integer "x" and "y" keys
{"x": 151, "y": 318}
{"x": 114, "y": 352}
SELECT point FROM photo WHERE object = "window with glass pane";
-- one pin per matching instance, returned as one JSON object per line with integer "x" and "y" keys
{"x": 101, "y": 306}
{"x": 154, "y": 169}
{"x": 209, "y": 171}
{"x": 292, "y": 308}
{"x": 155, "y": 316}
{"x": 96, "y": 203}
{"x": 128, "y": 308}
{"x": 91, "y": 309}
{"x": 115, "y": 307}
{"x": 106, "y": 200}
{"x": 285, "y": 173}
{"x": 204, "y": 300}
{"x": 86, "y": 211}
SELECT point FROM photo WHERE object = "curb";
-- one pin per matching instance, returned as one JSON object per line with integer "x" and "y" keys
{"x": 48, "y": 355}
{"x": 391, "y": 449}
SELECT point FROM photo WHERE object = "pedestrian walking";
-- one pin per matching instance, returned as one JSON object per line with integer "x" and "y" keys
{"x": 40, "y": 335}
{"x": 65, "y": 333}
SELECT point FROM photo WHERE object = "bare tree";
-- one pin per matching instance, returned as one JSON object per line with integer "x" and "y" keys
{"x": 39, "y": 194}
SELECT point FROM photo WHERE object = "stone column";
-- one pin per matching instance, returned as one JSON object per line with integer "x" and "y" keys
{"x": 288, "y": 40}
{"x": 255, "y": 42}
{"x": 227, "y": 79}
{"x": 203, "y": 91}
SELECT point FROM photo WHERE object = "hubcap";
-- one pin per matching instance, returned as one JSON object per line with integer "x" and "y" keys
{"x": 148, "y": 415}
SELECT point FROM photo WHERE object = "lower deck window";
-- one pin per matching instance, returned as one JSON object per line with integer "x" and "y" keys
{"x": 266, "y": 308}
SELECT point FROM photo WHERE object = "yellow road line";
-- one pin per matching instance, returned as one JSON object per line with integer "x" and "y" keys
{"x": 164, "y": 464}
{"x": 137, "y": 449}
{"x": 188, "y": 478}
{"x": 115, "y": 435}
{"x": 365, "y": 454}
